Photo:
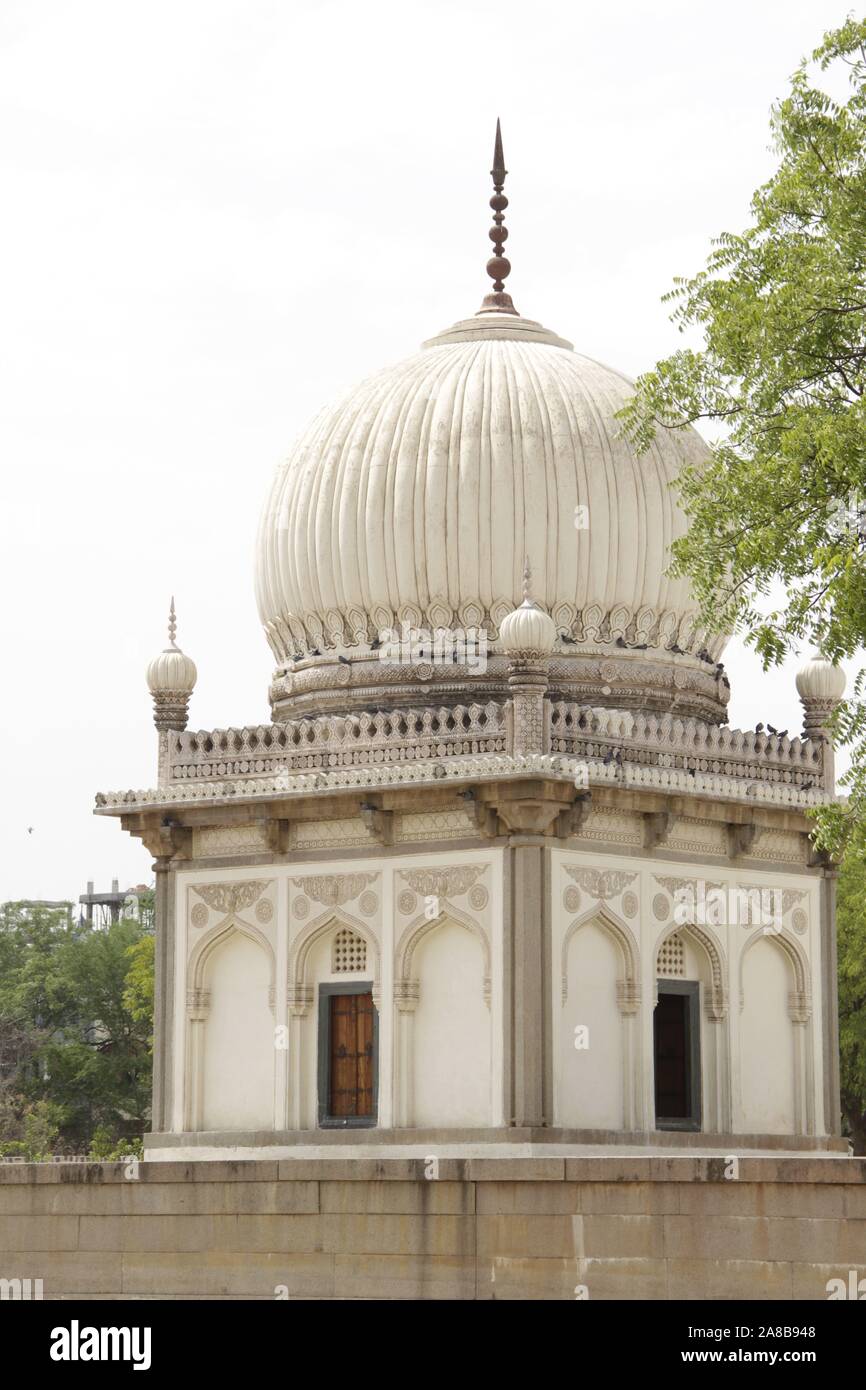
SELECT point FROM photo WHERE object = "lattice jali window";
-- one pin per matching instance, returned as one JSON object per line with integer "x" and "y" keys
{"x": 350, "y": 952}
{"x": 672, "y": 956}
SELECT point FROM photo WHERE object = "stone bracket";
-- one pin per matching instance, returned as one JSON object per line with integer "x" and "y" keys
{"x": 380, "y": 823}
{"x": 656, "y": 827}
{"x": 486, "y": 819}
{"x": 569, "y": 820}
{"x": 276, "y": 831}
{"x": 167, "y": 840}
{"x": 740, "y": 839}
{"x": 818, "y": 858}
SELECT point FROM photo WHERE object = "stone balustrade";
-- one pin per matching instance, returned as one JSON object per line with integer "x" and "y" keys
{"x": 331, "y": 741}
{"x": 688, "y": 744}
{"x": 394, "y": 747}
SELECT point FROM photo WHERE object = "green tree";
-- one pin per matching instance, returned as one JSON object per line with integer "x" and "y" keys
{"x": 76, "y": 1024}
{"x": 780, "y": 310}
{"x": 851, "y": 922}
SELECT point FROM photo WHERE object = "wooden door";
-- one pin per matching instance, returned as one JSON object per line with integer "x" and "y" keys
{"x": 351, "y": 1034}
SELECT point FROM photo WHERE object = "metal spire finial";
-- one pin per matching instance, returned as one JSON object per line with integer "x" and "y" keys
{"x": 498, "y": 267}
{"x": 172, "y": 623}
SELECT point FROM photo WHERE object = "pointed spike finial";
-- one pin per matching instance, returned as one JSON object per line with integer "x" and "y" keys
{"x": 499, "y": 171}
{"x": 172, "y": 623}
{"x": 527, "y": 579}
{"x": 498, "y": 267}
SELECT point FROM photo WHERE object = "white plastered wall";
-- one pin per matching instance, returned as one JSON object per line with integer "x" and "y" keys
{"x": 761, "y": 1068}
{"x": 275, "y": 925}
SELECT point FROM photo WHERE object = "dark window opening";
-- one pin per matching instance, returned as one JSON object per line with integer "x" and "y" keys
{"x": 676, "y": 1051}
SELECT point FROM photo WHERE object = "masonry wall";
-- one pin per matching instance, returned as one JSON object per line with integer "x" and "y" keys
{"x": 506, "y": 1228}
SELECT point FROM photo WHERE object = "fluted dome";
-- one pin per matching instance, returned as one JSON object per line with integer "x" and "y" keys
{"x": 820, "y": 681}
{"x": 171, "y": 671}
{"x": 527, "y": 629}
{"x": 415, "y": 499}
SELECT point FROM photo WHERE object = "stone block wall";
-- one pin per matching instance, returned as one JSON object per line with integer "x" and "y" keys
{"x": 508, "y": 1228}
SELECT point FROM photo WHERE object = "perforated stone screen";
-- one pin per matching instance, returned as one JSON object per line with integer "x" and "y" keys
{"x": 672, "y": 957}
{"x": 350, "y": 952}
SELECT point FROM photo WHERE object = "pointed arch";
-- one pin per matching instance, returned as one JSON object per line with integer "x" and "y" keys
{"x": 330, "y": 920}
{"x": 205, "y": 948}
{"x": 405, "y": 984}
{"x": 800, "y": 997}
{"x": 716, "y": 1001}
{"x": 628, "y": 986}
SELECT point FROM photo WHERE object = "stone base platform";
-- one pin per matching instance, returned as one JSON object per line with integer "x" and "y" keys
{"x": 627, "y": 1226}
{"x": 470, "y": 1143}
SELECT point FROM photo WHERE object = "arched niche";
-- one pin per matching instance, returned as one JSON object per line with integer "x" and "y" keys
{"x": 230, "y": 1058}
{"x": 596, "y": 1054}
{"x": 443, "y": 1023}
{"x": 775, "y": 1032}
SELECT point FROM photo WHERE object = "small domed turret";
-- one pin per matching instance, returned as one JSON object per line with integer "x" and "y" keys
{"x": 527, "y": 630}
{"x": 171, "y": 678}
{"x": 820, "y": 682}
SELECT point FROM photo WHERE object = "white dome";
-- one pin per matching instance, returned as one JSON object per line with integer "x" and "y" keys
{"x": 527, "y": 629}
{"x": 417, "y": 497}
{"x": 172, "y": 672}
{"x": 820, "y": 681}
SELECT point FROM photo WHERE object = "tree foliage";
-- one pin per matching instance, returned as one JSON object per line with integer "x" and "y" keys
{"x": 75, "y": 1028}
{"x": 781, "y": 311}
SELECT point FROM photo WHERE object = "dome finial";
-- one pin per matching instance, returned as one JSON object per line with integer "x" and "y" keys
{"x": 171, "y": 678}
{"x": 527, "y": 579}
{"x": 498, "y": 267}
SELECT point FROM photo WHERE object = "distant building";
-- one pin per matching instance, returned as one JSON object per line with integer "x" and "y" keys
{"x": 100, "y": 909}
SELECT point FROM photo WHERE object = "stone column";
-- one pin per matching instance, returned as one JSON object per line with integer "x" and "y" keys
{"x": 528, "y": 981}
{"x": 830, "y": 1005}
{"x": 527, "y": 680}
{"x": 163, "y": 995}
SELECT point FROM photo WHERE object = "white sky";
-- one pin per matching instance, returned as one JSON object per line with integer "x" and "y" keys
{"x": 216, "y": 216}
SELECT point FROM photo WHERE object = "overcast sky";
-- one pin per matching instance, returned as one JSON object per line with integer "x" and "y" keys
{"x": 217, "y": 216}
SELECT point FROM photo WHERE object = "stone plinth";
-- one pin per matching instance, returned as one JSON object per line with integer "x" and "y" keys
{"x": 624, "y": 1227}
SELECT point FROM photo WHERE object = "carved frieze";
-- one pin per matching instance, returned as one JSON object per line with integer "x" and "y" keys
{"x": 451, "y": 882}
{"x": 334, "y": 890}
{"x": 231, "y": 897}
{"x": 601, "y": 884}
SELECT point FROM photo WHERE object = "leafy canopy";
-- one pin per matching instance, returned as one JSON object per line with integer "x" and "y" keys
{"x": 781, "y": 311}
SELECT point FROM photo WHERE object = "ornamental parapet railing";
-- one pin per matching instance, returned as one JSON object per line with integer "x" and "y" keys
{"x": 689, "y": 745}
{"x": 335, "y": 741}
{"x": 492, "y": 767}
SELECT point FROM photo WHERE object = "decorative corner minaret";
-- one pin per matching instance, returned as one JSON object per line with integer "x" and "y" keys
{"x": 821, "y": 686}
{"x": 527, "y": 635}
{"x": 171, "y": 678}
{"x": 498, "y": 267}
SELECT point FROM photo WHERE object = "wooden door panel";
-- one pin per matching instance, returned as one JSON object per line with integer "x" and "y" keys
{"x": 351, "y": 1079}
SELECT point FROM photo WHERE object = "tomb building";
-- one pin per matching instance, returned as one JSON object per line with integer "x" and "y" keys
{"x": 497, "y": 870}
